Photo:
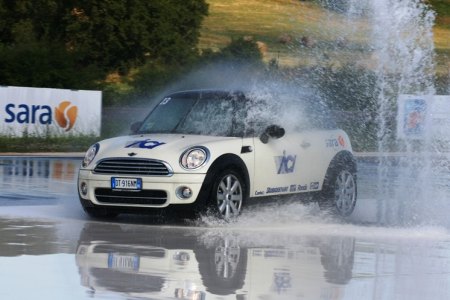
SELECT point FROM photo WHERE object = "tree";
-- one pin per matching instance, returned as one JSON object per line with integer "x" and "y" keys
{"x": 41, "y": 65}
{"x": 119, "y": 34}
{"x": 111, "y": 34}
{"x": 240, "y": 51}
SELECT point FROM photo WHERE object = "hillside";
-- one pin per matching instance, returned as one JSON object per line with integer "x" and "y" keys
{"x": 291, "y": 31}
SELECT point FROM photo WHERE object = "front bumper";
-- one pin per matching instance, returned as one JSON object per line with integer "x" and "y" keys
{"x": 95, "y": 184}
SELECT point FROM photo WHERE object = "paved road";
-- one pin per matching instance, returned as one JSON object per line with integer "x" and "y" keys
{"x": 50, "y": 250}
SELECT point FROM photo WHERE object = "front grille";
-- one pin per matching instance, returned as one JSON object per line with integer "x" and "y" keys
{"x": 143, "y": 197}
{"x": 132, "y": 166}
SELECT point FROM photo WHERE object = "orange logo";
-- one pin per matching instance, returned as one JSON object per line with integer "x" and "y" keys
{"x": 66, "y": 115}
{"x": 341, "y": 141}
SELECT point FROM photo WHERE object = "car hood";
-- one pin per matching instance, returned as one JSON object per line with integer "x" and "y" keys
{"x": 165, "y": 147}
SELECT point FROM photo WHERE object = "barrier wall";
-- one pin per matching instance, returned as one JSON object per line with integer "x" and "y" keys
{"x": 421, "y": 117}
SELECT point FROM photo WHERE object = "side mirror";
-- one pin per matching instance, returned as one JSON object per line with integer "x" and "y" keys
{"x": 273, "y": 131}
{"x": 135, "y": 127}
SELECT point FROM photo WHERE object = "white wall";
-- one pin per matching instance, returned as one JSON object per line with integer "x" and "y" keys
{"x": 422, "y": 117}
{"x": 42, "y": 111}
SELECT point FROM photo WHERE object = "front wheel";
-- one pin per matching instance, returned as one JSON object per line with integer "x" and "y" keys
{"x": 227, "y": 194}
{"x": 339, "y": 192}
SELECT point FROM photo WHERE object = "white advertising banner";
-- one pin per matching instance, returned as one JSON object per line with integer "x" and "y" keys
{"x": 45, "y": 111}
{"x": 423, "y": 116}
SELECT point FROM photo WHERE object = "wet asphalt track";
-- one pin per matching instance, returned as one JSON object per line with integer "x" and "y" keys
{"x": 50, "y": 250}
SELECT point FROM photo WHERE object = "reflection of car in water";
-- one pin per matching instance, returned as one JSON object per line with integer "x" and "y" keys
{"x": 190, "y": 265}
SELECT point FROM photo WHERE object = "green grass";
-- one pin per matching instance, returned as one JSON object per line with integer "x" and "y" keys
{"x": 268, "y": 20}
{"x": 49, "y": 144}
{"x": 442, "y": 8}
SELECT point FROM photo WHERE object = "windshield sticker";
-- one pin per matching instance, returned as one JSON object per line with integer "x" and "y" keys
{"x": 285, "y": 164}
{"x": 165, "y": 101}
{"x": 144, "y": 144}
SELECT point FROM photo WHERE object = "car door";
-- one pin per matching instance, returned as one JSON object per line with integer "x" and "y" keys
{"x": 290, "y": 164}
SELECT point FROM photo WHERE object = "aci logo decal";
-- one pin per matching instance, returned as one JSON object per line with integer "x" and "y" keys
{"x": 285, "y": 164}
{"x": 66, "y": 115}
{"x": 144, "y": 144}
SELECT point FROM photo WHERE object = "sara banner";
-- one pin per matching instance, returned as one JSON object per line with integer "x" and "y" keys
{"x": 422, "y": 117}
{"x": 45, "y": 111}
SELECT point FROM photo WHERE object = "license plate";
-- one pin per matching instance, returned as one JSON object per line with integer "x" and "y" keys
{"x": 121, "y": 183}
{"x": 124, "y": 262}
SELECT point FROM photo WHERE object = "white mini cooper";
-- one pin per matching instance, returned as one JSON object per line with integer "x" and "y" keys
{"x": 216, "y": 150}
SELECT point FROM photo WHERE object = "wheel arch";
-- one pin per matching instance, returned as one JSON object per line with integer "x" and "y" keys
{"x": 229, "y": 161}
{"x": 343, "y": 160}
{"x": 344, "y": 157}
{"x": 221, "y": 163}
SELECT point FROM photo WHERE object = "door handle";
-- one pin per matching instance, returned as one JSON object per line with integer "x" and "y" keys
{"x": 305, "y": 144}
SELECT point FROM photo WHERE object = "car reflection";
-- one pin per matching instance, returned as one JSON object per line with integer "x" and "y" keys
{"x": 193, "y": 264}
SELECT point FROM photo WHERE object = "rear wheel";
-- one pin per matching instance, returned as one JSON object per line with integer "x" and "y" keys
{"x": 339, "y": 191}
{"x": 228, "y": 194}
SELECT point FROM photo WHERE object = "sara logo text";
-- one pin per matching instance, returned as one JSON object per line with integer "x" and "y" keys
{"x": 335, "y": 142}
{"x": 144, "y": 144}
{"x": 65, "y": 114}
{"x": 285, "y": 164}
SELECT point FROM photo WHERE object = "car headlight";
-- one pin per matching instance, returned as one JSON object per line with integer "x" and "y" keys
{"x": 90, "y": 155}
{"x": 194, "y": 158}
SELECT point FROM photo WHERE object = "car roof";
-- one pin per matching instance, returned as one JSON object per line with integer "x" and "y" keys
{"x": 201, "y": 92}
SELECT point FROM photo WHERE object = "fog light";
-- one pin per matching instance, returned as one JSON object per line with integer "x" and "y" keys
{"x": 184, "y": 192}
{"x": 83, "y": 188}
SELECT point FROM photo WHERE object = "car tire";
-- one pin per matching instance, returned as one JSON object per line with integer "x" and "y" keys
{"x": 339, "y": 192}
{"x": 222, "y": 268}
{"x": 97, "y": 212}
{"x": 337, "y": 256}
{"x": 227, "y": 195}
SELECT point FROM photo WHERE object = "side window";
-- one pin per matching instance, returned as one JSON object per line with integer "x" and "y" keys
{"x": 239, "y": 115}
{"x": 209, "y": 116}
{"x": 258, "y": 115}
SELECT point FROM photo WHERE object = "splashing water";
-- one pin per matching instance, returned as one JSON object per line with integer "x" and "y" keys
{"x": 403, "y": 45}
{"x": 400, "y": 51}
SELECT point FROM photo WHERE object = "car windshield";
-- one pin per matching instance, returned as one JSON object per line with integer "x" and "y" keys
{"x": 213, "y": 113}
{"x": 231, "y": 114}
